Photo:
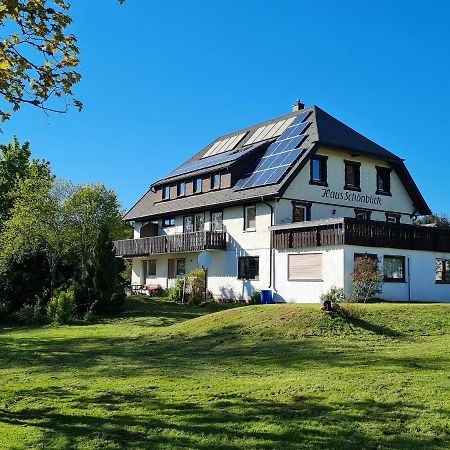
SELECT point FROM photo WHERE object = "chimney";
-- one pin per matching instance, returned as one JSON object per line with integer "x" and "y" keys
{"x": 298, "y": 105}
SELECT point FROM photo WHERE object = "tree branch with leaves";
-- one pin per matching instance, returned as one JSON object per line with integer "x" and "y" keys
{"x": 38, "y": 56}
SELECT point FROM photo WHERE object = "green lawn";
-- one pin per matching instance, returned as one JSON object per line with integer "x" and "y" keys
{"x": 165, "y": 376}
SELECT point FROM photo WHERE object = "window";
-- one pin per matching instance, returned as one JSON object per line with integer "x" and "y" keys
{"x": 150, "y": 268}
{"x": 248, "y": 267}
{"x": 215, "y": 181}
{"x": 180, "y": 268}
{"x": 352, "y": 175}
{"x": 166, "y": 192}
{"x": 319, "y": 170}
{"x": 442, "y": 270}
{"x": 394, "y": 268}
{"x": 217, "y": 221}
{"x": 188, "y": 224}
{"x": 363, "y": 214}
{"x": 301, "y": 211}
{"x": 200, "y": 222}
{"x": 392, "y": 218}
{"x": 250, "y": 218}
{"x": 168, "y": 222}
{"x": 383, "y": 181}
{"x": 198, "y": 185}
{"x": 305, "y": 267}
{"x": 181, "y": 188}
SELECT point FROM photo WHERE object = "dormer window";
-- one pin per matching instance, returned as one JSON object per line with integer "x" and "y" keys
{"x": 215, "y": 181}
{"x": 319, "y": 170}
{"x": 181, "y": 188}
{"x": 352, "y": 176}
{"x": 166, "y": 192}
{"x": 383, "y": 181}
{"x": 197, "y": 185}
{"x": 168, "y": 222}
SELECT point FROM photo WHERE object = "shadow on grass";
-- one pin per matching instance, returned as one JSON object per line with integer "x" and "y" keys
{"x": 227, "y": 422}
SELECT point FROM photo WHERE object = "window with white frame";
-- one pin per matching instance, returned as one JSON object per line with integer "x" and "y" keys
{"x": 442, "y": 268}
{"x": 250, "y": 218}
{"x": 166, "y": 192}
{"x": 217, "y": 221}
{"x": 149, "y": 268}
{"x": 200, "y": 222}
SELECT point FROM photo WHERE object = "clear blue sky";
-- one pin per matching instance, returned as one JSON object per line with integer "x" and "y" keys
{"x": 162, "y": 79}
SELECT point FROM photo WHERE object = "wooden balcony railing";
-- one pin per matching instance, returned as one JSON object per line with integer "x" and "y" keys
{"x": 175, "y": 243}
{"x": 362, "y": 233}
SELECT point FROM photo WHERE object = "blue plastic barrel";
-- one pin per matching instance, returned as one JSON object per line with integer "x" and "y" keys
{"x": 266, "y": 296}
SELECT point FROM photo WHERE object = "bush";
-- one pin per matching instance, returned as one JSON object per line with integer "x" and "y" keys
{"x": 367, "y": 279}
{"x": 197, "y": 284}
{"x": 24, "y": 314}
{"x": 334, "y": 295}
{"x": 175, "y": 293}
{"x": 61, "y": 308}
{"x": 255, "y": 298}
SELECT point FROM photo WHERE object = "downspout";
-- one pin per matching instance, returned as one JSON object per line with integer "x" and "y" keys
{"x": 409, "y": 281}
{"x": 270, "y": 242}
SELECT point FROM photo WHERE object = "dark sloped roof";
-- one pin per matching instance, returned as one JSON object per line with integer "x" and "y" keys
{"x": 323, "y": 130}
{"x": 334, "y": 133}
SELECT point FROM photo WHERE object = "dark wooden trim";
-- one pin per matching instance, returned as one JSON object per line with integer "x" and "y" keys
{"x": 175, "y": 243}
{"x": 364, "y": 211}
{"x": 396, "y": 216}
{"x": 395, "y": 280}
{"x": 352, "y": 187}
{"x": 349, "y": 231}
{"x": 324, "y": 160}
{"x": 379, "y": 169}
{"x": 168, "y": 218}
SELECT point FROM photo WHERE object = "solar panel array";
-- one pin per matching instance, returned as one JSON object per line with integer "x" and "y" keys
{"x": 270, "y": 131}
{"x": 278, "y": 157}
{"x": 225, "y": 145}
{"x": 213, "y": 161}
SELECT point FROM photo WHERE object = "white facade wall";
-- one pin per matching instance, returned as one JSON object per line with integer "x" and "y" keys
{"x": 338, "y": 264}
{"x": 323, "y": 205}
{"x": 308, "y": 291}
{"x": 222, "y": 276}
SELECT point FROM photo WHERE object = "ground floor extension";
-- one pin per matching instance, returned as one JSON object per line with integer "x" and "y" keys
{"x": 304, "y": 260}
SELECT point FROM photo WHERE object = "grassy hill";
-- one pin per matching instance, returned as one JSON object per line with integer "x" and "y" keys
{"x": 164, "y": 375}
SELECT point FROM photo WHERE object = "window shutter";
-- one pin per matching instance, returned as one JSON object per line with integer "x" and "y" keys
{"x": 307, "y": 267}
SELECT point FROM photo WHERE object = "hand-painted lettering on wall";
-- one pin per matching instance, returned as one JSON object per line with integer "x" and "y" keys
{"x": 352, "y": 197}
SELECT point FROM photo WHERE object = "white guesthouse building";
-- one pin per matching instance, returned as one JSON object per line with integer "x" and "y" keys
{"x": 288, "y": 205}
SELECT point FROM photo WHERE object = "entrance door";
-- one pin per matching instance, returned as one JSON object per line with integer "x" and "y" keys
{"x": 170, "y": 272}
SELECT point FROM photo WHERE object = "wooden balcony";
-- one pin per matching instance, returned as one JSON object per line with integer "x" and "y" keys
{"x": 349, "y": 231}
{"x": 176, "y": 243}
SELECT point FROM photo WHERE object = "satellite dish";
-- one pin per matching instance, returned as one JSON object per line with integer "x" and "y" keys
{"x": 205, "y": 259}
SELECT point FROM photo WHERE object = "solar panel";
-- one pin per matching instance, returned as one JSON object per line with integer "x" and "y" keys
{"x": 270, "y": 131}
{"x": 214, "y": 160}
{"x": 224, "y": 145}
{"x": 279, "y": 156}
